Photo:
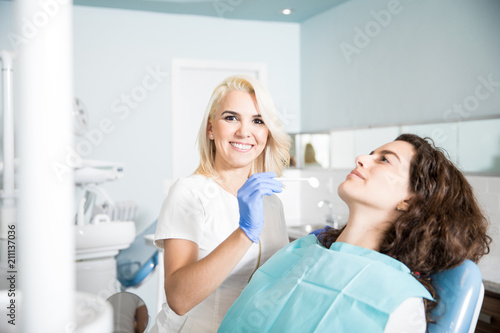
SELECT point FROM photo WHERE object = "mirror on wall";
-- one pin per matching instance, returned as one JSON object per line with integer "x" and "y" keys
{"x": 473, "y": 145}
{"x": 293, "y": 151}
{"x": 310, "y": 151}
{"x": 444, "y": 135}
{"x": 479, "y": 146}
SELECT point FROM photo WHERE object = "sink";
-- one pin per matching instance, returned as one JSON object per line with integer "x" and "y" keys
{"x": 91, "y": 314}
{"x": 298, "y": 231}
{"x": 103, "y": 239}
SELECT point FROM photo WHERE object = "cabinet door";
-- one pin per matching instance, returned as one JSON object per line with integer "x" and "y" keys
{"x": 489, "y": 318}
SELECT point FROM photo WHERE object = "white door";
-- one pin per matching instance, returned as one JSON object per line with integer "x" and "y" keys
{"x": 192, "y": 84}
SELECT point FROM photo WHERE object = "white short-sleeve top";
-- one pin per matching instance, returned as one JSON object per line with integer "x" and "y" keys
{"x": 199, "y": 210}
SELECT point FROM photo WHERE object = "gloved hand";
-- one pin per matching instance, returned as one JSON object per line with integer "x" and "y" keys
{"x": 251, "y": 204}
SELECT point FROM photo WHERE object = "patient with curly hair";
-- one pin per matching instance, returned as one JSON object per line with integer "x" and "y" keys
{"x": 412, "y": 214}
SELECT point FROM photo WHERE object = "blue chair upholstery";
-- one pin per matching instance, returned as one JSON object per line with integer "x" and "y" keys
{"x": 138, "y": 261}
{"x": 461, "y": 293}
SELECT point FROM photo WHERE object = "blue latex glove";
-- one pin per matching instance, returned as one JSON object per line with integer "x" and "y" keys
{"x": 317, "y": 232}
{"x": 251, "y": 204}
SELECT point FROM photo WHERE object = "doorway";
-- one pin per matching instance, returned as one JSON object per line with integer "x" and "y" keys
{"x": 192, "y": 84}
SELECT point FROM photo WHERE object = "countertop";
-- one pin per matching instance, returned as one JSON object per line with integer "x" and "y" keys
{"x": 492, "y": 286}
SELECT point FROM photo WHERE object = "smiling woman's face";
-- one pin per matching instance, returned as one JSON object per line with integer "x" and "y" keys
{"x": 381, "y": 179}
{"x": 238, "y": 131}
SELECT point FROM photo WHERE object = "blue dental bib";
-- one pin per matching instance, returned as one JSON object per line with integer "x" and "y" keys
{"x": 306, "y": 287}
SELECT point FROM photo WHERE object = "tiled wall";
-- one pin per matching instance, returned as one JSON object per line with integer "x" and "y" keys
{"x": 300, "y": 202}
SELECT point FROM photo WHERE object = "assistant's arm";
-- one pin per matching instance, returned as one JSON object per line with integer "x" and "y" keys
{"x": 188, "y": 281}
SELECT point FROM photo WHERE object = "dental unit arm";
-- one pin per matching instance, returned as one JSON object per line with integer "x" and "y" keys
{"x": 97, "y": 172}
{"x": 89, "y": 174}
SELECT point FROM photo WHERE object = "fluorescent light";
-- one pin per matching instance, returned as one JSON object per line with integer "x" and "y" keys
{"x": 286, "y": 11}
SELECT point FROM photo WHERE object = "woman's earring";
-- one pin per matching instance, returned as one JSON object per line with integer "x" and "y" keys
{"x": 211, "y": 136}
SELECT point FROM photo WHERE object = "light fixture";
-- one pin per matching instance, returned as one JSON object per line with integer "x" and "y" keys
{"x": 286, "y": 11}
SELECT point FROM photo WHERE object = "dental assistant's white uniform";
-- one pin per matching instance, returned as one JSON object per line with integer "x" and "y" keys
{"x": 199, "y": 210}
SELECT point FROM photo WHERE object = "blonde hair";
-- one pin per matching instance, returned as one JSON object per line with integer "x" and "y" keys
{"x": 275, "y": 156}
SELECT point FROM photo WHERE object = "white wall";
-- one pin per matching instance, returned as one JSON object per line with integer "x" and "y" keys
{"x": 115, "y": 52}
{"x": 426, "y": 58}
{"x": 6, "y": 24}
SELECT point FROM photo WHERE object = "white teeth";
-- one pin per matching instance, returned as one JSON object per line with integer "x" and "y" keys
{"x": 241, "y": 146}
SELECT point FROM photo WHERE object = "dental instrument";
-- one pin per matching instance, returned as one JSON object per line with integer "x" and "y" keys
{"x": 313, "y": 181}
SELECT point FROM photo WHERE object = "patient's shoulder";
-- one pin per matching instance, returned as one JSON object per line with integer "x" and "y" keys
{"x": 409, "y": 317}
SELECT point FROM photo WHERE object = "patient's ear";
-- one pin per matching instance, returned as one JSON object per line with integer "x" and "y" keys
{"x": 403, "y": 205}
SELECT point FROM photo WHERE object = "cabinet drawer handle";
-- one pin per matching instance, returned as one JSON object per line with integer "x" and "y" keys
{"x": 485, "y": 318}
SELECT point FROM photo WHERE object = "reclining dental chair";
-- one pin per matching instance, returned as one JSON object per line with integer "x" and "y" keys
{"x": 461, "y": 293}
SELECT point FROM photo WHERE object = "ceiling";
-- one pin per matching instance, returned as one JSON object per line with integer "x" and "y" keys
{"x": 262, "y": 10}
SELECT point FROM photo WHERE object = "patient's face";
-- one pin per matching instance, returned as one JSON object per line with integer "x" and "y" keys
{"x": 380, "y": 179}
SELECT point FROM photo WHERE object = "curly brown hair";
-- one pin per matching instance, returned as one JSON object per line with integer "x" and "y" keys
{"x": 443, "y": 225}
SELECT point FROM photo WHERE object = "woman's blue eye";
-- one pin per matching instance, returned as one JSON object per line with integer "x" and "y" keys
{"x": 230, "y": 118}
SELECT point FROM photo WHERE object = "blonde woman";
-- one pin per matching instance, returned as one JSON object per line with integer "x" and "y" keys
{"x": 220, "y": 224}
